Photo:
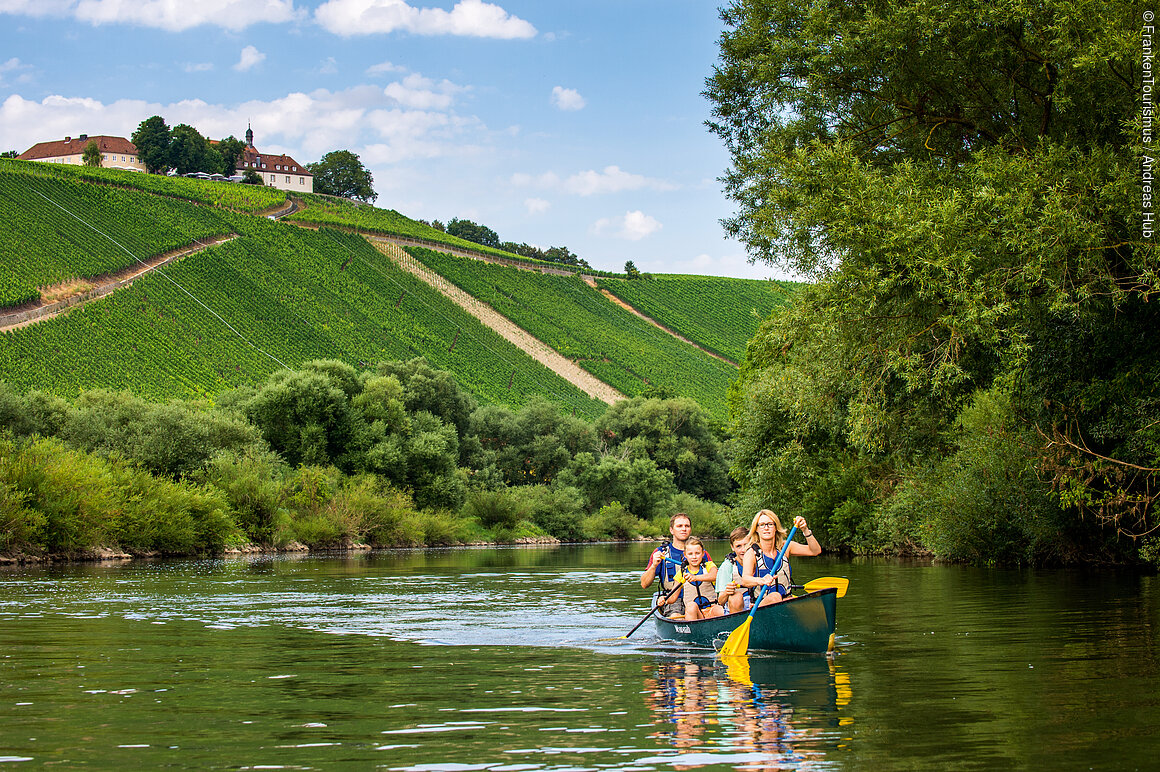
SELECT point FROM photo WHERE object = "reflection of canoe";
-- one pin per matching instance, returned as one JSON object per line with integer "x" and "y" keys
{"x": 804, "y": 623}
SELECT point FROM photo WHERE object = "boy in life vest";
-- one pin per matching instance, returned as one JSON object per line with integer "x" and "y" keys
{"x": 699, "y": 595}
{"x": 665, "y": 564}
{"x": 730, "y": 594}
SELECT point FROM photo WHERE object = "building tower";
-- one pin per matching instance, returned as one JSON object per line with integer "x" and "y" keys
{"x": 249, "y": 135}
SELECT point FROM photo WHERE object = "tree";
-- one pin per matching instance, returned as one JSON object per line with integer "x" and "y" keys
{"x": 230, "y": 149}
{"x": 251, "y": 177}
{"x": 480, "y": 234}
{"x": 190, "y": 152}
{"x": 10, "y": 154}
{"x": 340, "y": 173}
{"x": 152, "y": 139}
{"x": 92, "y": 154}
{"x": 961, "y": 182}
{"x": 631, "y": 271}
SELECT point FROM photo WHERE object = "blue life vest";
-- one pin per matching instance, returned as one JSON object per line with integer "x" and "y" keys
{"x": 784, "y": 576}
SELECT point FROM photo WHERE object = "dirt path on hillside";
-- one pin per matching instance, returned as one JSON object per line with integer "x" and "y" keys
{"x": 58, "y": 298}
{"x": 530, "y": 345}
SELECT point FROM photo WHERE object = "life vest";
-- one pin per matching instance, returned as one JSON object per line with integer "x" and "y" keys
{"x": 670, "y": 571}
{"x": 706, "y": 593}
{"x": 781, "y": 581}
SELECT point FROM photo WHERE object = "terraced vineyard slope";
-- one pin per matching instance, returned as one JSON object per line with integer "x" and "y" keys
{"x": 720, "y": 314}
{"x": 242, "y": 198}
{"x": 53, "y": 229}
{"x": 274, "y": 296}
{"x": 610, "y": 342}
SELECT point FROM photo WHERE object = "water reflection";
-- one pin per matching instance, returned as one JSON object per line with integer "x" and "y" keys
{"x": 751, "y": 712}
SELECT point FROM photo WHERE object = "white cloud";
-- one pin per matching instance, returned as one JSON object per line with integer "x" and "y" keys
{"x": 304, "y": 125}
{"x": 171, "y": 15}
{"x": 471, "y": 18}
{"x": 250, "y": 57}
{"x": 612, "y": 179}
{"x": 14, "y": 67}
{"x": 537, "y": 205}
{"x": 329, "y": 66}
{"x": 423, "y": 93}
{"x": 197, "y": 66}
{"x": 382, "y": 67}
{"x": 567, "y": 99}
{"x": 632, "y": 226}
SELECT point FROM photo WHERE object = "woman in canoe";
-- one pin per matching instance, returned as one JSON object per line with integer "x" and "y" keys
{"x": 767, "y": 537}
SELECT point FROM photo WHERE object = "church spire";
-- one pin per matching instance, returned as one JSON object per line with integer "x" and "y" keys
{"x": 249, "y": 135}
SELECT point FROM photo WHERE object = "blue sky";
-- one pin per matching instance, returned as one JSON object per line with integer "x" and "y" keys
{"x": 555, "y": 123}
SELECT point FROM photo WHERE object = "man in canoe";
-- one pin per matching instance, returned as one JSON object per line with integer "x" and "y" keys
{"x": 665, "y": 564}
{"x": 768, "y": 536}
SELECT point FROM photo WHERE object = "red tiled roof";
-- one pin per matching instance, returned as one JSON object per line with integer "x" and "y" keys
{"x": 252, "y": 159}
{"x": 76, "y": 146}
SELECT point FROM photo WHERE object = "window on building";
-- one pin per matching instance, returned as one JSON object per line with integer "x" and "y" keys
{"x": 301, "y": 180}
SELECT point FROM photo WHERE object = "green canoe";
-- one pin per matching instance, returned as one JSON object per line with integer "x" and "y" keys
{"x": 804, "y": 623}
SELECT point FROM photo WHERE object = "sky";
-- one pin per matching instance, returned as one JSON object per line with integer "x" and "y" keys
{"x": 577, "y": 124}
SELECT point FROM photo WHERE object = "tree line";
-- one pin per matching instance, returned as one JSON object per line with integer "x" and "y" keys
{"x": 328, "y": 456}
{"x": 971, "y": 371}
{"x": 481, "y": 234}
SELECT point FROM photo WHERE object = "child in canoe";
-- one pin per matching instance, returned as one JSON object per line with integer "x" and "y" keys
{"x": 730, "y": 594}
{"x": 699, "y": 594}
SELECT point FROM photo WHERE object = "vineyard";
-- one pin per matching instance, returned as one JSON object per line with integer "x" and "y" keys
{"x": 721, "y": 314}
{"x": 613, "y": 344}
{"x": 291, "y": 295}
{"x": 230, "y": 195}
{"x": 343, "y": 213}
{"x": 54, "y": 229}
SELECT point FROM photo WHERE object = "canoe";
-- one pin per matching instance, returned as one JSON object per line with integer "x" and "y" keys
{"x": 804, "y": 623}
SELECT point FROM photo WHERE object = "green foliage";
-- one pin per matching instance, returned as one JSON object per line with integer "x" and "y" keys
{"x": 470, "y": 231}
{"x": 614, "y": 522}
{"x": 502, "y": 508}
{"x": 613, "y": 344}
{"x": 558, "y": 510}
{"x": 631, "y": 271}
{"x": 230, "y": 150}
{"x": 718, "y": 313}
{"x": 341, "y": 173}
{"x": 92, "y": 154}
{"x": 987, "y": 218}
{"x": 251, "y": 482}
{"x": 173, "y": 439}
{"x": 152, "y": 140}
{"x": 528, "y": 446}
{"x": 602, "y": 480}
{"x": 677, "y": 434}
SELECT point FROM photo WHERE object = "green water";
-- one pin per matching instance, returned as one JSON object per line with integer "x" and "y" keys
{"x": 485, "y": 659}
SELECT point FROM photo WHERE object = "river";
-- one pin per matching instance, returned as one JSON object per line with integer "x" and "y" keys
{"x": 495, "y": 659}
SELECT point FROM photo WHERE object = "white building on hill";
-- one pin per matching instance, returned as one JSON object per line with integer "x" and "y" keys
{"x": 279, "y": 171}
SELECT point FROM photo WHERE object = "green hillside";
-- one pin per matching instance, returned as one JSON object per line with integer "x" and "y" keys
{"x": 613, "y": 344}
{"x": 55, "y": 228}
{"x": 242, "y": 198}
{"x": 721, "y": 314}
{"x": 291, "y": 294}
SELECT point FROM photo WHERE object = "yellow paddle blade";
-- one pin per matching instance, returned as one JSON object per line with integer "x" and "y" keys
{"x": 839, "y": 583}
{"x": 737, "y": 644}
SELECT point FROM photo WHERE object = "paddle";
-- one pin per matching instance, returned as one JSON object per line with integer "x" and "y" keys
{"x": 839, "y": 583}
{"x": 665, "y": 602}
{"x": 738, "y": 641}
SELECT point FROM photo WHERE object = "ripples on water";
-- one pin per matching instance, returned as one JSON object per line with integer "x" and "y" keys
{"x": 496, "y": 660}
